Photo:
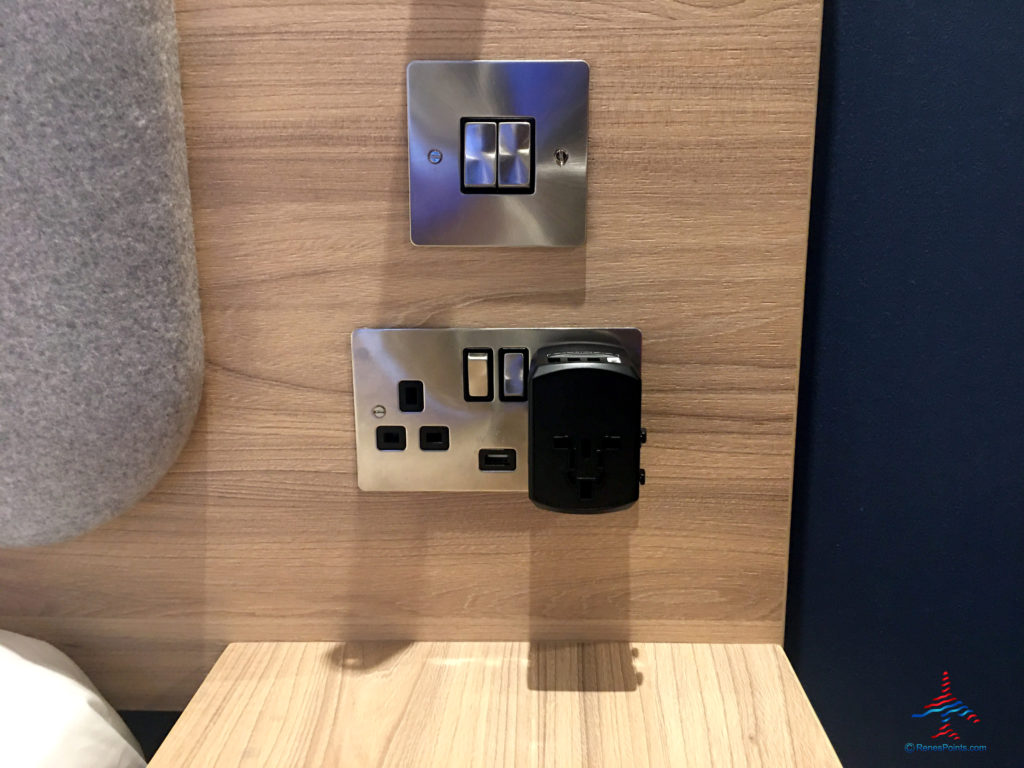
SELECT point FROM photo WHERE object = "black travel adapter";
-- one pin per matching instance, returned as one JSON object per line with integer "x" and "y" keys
{"x": 584, "y": 431}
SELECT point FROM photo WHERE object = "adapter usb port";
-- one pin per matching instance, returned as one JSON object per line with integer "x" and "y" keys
{"x": 497, "y": 459}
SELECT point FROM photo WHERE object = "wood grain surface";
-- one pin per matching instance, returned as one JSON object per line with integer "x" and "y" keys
{"x": 701, "y": 134}
{"x": 307, "y": 705}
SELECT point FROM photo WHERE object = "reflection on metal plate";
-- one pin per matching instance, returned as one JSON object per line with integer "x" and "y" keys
{"x": 383, "y": 357}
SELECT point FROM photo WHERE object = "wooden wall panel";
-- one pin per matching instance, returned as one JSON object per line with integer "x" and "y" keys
{"x": 702, "y": 117}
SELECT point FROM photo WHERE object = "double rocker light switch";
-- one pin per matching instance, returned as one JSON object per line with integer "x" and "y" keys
{"x": 497, "y": 156}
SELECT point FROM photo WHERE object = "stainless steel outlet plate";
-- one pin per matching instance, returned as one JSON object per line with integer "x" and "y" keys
{"x": 381, "y": 358}
{"x": 443, "y": 94}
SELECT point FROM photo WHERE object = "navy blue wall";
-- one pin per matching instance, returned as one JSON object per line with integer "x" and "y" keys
{"x": 908, "y": 529}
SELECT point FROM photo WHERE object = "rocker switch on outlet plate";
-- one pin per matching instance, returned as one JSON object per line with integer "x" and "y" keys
{"x": 512, "y": 363}
{"x": 477, "y": 374}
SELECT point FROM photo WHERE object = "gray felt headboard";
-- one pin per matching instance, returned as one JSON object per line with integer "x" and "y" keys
{"x": 101, "y": 352}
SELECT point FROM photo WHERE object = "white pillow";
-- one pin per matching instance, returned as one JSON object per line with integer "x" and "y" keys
{"x": 51, "y": 716}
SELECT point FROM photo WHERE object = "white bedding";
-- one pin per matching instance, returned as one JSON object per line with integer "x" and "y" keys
{"x": 51, "y": 716}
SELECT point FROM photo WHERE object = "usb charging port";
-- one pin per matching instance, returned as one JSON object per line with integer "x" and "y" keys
{"x": 497, "y": 459}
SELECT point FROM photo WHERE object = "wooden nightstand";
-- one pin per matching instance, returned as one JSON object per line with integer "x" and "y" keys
{"x": 498, "y": 704}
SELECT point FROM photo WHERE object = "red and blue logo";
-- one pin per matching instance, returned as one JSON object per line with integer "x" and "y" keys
{"x": 947, "y": 706}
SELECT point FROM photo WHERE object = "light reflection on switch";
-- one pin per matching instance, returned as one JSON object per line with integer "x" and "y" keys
{"x": 479, "y": 160}
{"x": 513, "y": 374}
{"x": 514, "y": 149}
{"x": 477, "y": 370}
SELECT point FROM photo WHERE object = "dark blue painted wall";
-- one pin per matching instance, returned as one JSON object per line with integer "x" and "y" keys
{"x": 908, "y": 530}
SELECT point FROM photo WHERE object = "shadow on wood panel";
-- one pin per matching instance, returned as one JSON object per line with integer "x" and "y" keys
{"x": 580, "y": 591}
{"x": 366, "y": 656}
{"x": 582, "y": 667}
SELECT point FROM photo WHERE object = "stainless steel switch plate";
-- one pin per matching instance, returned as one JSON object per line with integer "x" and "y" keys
{"x": 548, "y": 206}
{"x": 383, "y": 357}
